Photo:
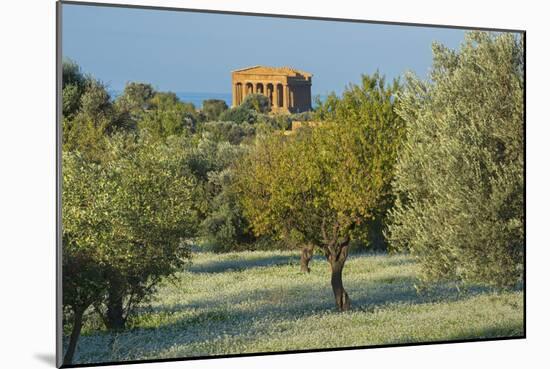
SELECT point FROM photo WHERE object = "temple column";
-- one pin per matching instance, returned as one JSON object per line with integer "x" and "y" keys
{"x": 285, "y": 97}
{"x": 234, "y": 95}
{"x": 239, "y": 93}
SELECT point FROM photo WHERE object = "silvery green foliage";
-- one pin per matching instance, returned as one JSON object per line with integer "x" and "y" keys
{"x": 459, "y": 178}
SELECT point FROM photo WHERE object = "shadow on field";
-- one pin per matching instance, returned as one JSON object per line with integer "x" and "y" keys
{"x": 249, "y": 316}
{"x": 227, "y": 321}
{"x": 230, "y": 264}
{"x": 303, "y": 300}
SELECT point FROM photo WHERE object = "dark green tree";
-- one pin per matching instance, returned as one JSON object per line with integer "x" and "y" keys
{"x": 73, "y": 85}
{"x": 135, "y": 98}
{"x": 213, "y": 108}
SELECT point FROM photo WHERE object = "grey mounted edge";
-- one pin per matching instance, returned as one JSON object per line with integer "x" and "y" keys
{"x": 58, "y": 183}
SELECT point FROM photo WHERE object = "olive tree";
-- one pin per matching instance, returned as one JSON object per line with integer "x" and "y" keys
{"x": 322, "y": 184}
{"x": 124, "y": 223}
{"x": 459, "y": 178}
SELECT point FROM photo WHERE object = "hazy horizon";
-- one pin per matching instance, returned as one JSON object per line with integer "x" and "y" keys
{"x": 195, "y": 52}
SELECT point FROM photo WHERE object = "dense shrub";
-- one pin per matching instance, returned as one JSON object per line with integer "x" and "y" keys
{"x": 249, "y": 110}
{"x": 257, "y": 102}
{"x": 225, "y": 228}
{"x": 228, "y": 131}
{"x": 239, "y": 114}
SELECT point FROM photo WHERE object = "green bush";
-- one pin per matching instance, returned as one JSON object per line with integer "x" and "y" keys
{"x": 257, "y": 102}
{"x": 225, "y": 227}
{"x": 239, "y": 114}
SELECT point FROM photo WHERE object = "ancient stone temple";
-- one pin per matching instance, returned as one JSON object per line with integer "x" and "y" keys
{"x": 288, "y": 89}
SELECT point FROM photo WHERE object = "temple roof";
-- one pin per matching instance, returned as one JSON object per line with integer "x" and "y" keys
{"x": 262, "y": 69}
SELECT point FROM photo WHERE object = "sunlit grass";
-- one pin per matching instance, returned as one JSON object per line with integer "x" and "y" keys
{"x": 259, "y": 301}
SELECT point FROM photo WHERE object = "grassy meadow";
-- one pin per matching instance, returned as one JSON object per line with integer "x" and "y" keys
{"x": 250, "y": 302}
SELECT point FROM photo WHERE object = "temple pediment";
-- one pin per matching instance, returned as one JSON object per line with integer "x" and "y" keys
{"x": 266, "y": 70}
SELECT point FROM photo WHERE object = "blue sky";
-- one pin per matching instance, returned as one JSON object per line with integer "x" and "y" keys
{"x": 195, "y": 52}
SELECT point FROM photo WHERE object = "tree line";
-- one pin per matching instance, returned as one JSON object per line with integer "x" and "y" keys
{"x": 433, "y": 168}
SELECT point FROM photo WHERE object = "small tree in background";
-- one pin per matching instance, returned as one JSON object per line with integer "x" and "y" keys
{"x": 89, "y": 116}
{"x": 459, "y": 179}
{"x": 74, "y": 83}
{"x": 249, "y": 110}
{"x": 322, "y": 184}
{"x": 167, "y": 116}
{"x": 135, "y": 99}
{"x": 213, "y": 108}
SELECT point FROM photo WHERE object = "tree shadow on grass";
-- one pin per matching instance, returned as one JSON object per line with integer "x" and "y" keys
{"x": 303, "y": 299}
{"x": 227, "y": 265}
{"x": 249, "y": 322}
{"x": 247, "y": 316}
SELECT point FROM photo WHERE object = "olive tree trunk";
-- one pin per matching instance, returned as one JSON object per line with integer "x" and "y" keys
{"x": 115, "y": 319}
{"x": 75, "y": 334}
{"x": 337, "y": 261}
{"x": 305, "y": 258}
